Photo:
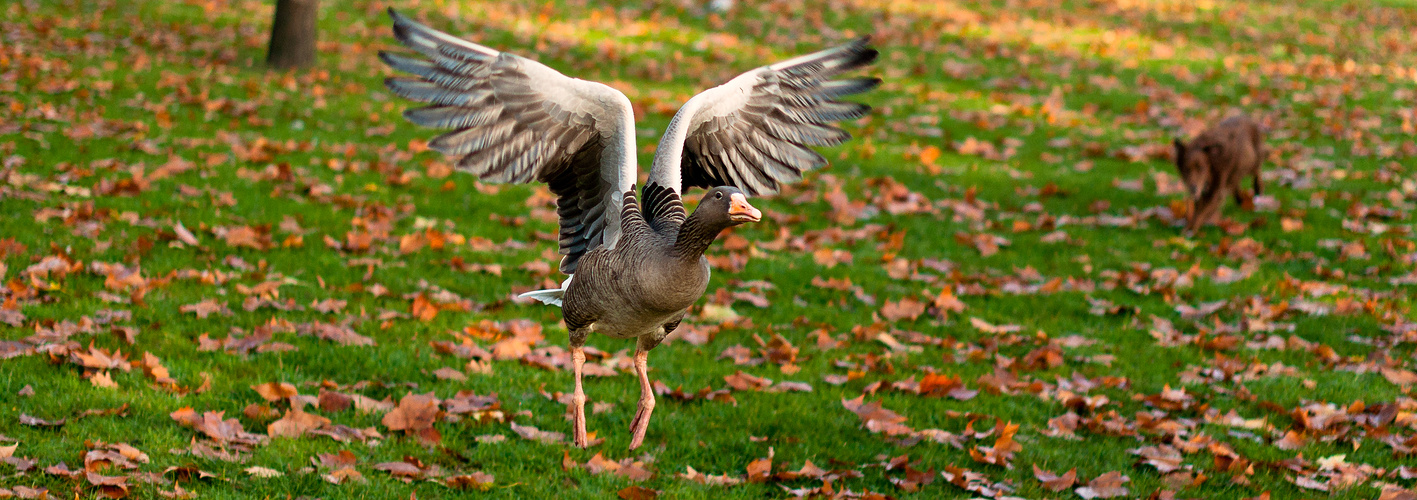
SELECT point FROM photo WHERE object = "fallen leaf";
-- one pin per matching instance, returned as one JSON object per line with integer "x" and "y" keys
{"x": 638, "y": 493}
{"x": 1108, "y": 485}
{"x": 1054, "y": 482}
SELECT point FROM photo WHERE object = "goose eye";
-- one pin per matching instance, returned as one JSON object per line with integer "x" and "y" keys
{"x": 718, "y": 196}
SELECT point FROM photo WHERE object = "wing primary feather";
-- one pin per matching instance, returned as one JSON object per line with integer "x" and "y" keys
{"x": 511, "y": 119}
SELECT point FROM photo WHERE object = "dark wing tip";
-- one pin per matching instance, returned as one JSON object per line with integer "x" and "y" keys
{"x": 869, "y": 55}
{"x": 397, "y": 16}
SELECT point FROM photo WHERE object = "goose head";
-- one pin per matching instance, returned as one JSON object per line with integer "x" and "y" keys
{"x": 726, "y": 206}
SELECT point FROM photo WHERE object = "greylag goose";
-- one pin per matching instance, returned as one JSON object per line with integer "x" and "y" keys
{"x": 635, "y": 267}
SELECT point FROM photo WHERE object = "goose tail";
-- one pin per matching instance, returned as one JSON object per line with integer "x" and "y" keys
{"x": 550, "y": 296}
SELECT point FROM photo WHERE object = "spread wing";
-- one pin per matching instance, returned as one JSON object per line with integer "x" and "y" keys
{"x": 516, "y": 120}
{"x": 756, "y": 131}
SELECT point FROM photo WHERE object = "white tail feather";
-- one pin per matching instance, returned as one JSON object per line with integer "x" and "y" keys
{"x": 550, "y": 296}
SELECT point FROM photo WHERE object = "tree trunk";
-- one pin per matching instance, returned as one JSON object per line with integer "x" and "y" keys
{"x": 293, "y": 34}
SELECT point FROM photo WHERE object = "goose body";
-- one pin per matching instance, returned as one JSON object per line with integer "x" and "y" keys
{"x": 636, "y": 261}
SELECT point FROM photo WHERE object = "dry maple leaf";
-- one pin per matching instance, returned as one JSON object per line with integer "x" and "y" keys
{"x": 263, "y": 472}
{"x": 328, "y": 305}
{"x": 246, "y": 236}
{"x": 403, "y": 470}
{"x": 759, "y": 470}
{"x": 222, "y": 430}
{"x": 947, "y": 302}
{"x": 875, "y": 418}
{"x": 531, "y": 433}
{"x": 1003, "y": 449}
{"x": 1108, "y": 485}
{"x": 414, "y": 412}
{"x": 778, "y": 351}
{"x": 986, "y": 327}
{"x": 637, "y": 493}
{"x": 39, "y": 422}
{"x": 103, "y": 380}
{"x": 206, "y": 308}
{"x": 808, "y": 470}
{"x": 1054, "y": 482}
{"x": 331, "y": 401}
{"x": 152, "y": 367}
{"x": 598, "y": 464}
{"x": 740, "y": 355}
{"x": 365, "y": 404}
{"x": 1165, "y": 458}
{"x": 1043, "y": 358}
{"x": 108, "y": 486}
{"x": 740, "y": 381}
{"x": 449, "y": 373}
{"x": 708, "y": 480}
{"x": 906, "y": 309}
{"x": 422, "y": 308}
{"x": 295, "y": 423}
{"x": 1394, "y": 492}
{"x": 1398, "y": 376}
{"x": 936, "y": 385}
{"x": 344, "y": 475}
{"x": 275, "y": 391}
{"x": 476, "y": 480}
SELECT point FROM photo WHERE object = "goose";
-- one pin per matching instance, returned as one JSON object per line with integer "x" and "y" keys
{"x": 634, "y": 261}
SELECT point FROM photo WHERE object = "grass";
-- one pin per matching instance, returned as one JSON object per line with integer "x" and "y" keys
{"x": 94, "y": 93}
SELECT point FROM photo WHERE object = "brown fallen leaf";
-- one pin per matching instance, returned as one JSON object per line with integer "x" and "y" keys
{"x": 103, "y": 380}
{"x": 400, "y": 469}
{"x": 1291, "y": 441}
{"x": 413, "y": 413}
{"x": 1108, "y": 485}
{"x": 39, "y": 422}
{"x": 534, "y": 434}
{"x": 108, "y": 486}
{"x": 759, "y": 470}
{"x": 875, "y": 418}
{"x": 986, "y": 327}
{"x": 708, "y": 480}
{"x": 742, "y": 381}
{"x": 344, "y": 475}
{"x": 1054, "y": 482}
{"x": 263, "y": 472}
{"x": 937, "y": 385}
{"x": 947, "y": 302}
{"x": 449, "y": 373}
{"x": 295, "y": 423}
{"x": 906, "y": 308}
{"x": 476, "y": 480}
{"x": 1003, "y": 449}
{"x": 183, "y": 234}
{"x": 275, "y": 391}
{"x": 206, "y": 308}
{"x": 638, "y": 493}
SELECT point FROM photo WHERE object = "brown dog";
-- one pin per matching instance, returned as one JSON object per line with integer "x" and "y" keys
{"x": 1216, "y": 162}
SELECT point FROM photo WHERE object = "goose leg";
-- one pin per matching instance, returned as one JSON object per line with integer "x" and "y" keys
{"x": 640, "y": 424}
{"x": 578, "y": 399}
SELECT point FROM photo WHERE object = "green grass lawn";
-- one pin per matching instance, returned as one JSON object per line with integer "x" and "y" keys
{"x": 1003, "y": 218}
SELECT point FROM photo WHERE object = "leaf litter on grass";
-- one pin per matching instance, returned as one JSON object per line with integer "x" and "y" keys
{"x": 195, "y": 228}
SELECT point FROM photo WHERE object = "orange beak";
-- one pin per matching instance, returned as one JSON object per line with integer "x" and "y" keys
{"x": 740, "y": 211}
